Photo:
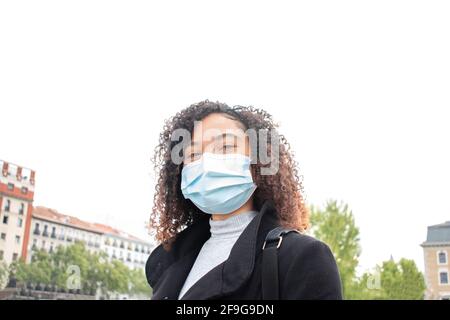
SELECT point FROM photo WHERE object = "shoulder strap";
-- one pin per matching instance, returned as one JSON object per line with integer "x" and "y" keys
{"x": 270, "y": 282}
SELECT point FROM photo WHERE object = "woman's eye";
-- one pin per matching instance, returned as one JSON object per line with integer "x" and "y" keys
{"x": 195, "y": 156}
{"x": 229, "y": 147}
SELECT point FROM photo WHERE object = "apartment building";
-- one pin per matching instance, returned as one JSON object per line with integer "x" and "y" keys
{"x": 51, "y": 228}
{"x": 436, "y": 251}
{"x": 16, "y": 203}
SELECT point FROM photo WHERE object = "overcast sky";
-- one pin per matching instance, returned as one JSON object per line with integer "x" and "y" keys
{"x": 360, "y": 89}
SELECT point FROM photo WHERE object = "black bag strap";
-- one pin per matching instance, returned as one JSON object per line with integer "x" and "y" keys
{"x": 270, "y": 282}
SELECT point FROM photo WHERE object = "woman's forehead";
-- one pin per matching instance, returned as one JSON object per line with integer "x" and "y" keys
{"x": 217, "y": 126}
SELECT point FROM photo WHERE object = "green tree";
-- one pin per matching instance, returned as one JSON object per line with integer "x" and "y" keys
{"x": 335, "y": 225}
{"x": 139, "y": 285}
{"x": 61, "y": 266}
{"x": 4, "y": 272}
{"x": 392, "y": 281}
{"x": 402, "y": 280}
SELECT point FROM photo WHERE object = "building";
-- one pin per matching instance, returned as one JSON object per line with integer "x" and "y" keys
{"x": 16, "y": 203}
{"x": 436, "y": 251}
{"x": 123, "y": 246}
{"x": 24, "y": 227}
{"x": 51, "y": 229}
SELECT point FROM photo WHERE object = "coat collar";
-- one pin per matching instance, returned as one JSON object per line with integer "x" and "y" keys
{"x": 167, "y": 270}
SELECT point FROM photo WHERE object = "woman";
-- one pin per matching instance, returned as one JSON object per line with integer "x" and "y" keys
{"x": 226, "y": 179}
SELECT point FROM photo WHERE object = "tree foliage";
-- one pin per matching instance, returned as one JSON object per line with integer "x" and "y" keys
{"x": 74, "y": 267}
{"x": 335, "y": 225}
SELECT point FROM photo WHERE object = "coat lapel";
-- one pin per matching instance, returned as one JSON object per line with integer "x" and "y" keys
{"x": 225, "y": 278}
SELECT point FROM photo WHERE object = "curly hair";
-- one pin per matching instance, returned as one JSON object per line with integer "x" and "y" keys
{"x": 172, "y": 212}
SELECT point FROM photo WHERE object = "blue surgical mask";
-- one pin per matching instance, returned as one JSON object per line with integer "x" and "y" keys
{"x": 218, "y": 183}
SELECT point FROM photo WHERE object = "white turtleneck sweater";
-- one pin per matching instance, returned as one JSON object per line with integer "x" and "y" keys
{"x": 217, "y": 248}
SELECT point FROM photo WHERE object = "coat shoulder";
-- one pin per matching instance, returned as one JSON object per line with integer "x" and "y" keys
{"x": 300, "y": 243}
{"x": 308, "y": 269}
{"x": 307, "y": 249}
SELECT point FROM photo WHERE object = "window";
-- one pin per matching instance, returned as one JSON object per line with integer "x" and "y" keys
{"x": 53, "y": 233}
{"x": 34, "y": 244}
{"x": 69, "y": 235}
{"x": 3, "y": 236}
{"x": 45, "y": 232}
{"x": 5, "y": 219}
{"x": 442, "y": 257}
{"x": 19, "y": 222}
{"x": 18, "y": 239}
{"x": 22, "y": 208}
{"x": 443, "y": 277}
{"x": 36, "y": 229}
{"x": 8, "y": 205}
{"x": 61, "y": 236}
{"x": 43, "y": 244}
{"x": 1, "y": 255}
{"x": 10, "y": 186}
{"x": 15, "y": 255}
{"x": 24, "y": 190}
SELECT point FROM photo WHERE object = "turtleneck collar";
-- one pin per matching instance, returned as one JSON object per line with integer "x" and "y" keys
{"x": 231, "y": 227}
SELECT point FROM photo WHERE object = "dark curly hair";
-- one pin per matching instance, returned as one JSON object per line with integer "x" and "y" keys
{"x": 172, "y": 212}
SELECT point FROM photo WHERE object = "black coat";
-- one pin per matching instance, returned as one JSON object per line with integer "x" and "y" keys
{"x": 307, "y": 268}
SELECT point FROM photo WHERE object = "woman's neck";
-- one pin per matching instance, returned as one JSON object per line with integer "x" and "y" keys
{"x": 248, "y": 206}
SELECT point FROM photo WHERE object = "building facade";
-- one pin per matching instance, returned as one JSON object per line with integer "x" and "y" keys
{"x": 24, "y": 227}
{"x": 16, "y": 204}
{"x": 51, "y": 229}
{"x": 436, "y": 251}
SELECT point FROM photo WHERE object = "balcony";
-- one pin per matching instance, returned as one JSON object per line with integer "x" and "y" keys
{"x": 37, "y": 232}
{"x": 53, "y": 235}
{"x": 45, "y": 233}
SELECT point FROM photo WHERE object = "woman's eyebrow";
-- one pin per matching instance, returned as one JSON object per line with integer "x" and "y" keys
{"x": 222, "y": 137}
{"x": 226, "y": 135}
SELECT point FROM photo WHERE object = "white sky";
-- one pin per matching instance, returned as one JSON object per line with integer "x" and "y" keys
{"x": 360, "y": 89}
